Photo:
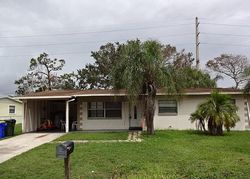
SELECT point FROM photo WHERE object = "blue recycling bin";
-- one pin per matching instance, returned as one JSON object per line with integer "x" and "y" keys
{"x": 2, "y": 130}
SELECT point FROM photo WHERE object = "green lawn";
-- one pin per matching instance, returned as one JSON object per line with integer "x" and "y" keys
{"x": 18, "y": 129}
{"x": 94, "y": 136}
{"x": 168, "y": 154}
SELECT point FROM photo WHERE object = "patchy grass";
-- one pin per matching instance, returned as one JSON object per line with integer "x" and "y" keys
{"x": 168, "y": 154}
{"x": 94, "y": 136}
{"x": 18, "y": 129}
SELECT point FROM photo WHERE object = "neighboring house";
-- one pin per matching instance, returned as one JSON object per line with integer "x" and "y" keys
{"x": 11, "y": 108}
{"x": 110, "y": 109}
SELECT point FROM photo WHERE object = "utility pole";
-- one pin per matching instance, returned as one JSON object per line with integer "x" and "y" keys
{"x": 197, "y": 43}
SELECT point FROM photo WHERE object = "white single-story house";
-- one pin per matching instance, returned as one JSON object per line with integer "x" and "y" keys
{"x": 11, "y": 108}
{"x": 110, "y": 109}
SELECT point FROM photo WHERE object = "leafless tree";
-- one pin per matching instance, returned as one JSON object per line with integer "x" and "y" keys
{"x": 233, "y": 66}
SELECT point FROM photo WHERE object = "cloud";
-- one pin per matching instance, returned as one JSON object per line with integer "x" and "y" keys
{"x": 60, "y": 16}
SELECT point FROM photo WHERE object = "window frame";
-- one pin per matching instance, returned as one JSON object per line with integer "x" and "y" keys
{"x": 10, "y": 109}
{"x": 96, "y": 109}
{"x": 167, "y": 113}
{"x": 113, "y": 109}
{"x": 105, "y": 109}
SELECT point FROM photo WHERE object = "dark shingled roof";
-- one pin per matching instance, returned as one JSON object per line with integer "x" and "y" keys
{"x": 69, "y": 93}
{"x": 52, "y": 93}
{"x": 103, "y": 92}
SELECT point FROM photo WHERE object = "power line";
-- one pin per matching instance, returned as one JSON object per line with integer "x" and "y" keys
{"x": 85, "y": 42}
{"x": 118, "y": 25}
{"x": 224, "y": 44}
{"x": 50, "y": 54}
{"x": 68, "y": 53}
{"x": 231, "y": 25}
{"x": 225, "y": 34}
{"x": 221, "y": 34}
{"x": 51, "y": 44}
{"x": 94, "y": 32}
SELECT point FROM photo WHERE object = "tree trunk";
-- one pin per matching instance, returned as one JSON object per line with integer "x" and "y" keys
{"x": 210, "y": 126}
{"x": 150, "y": 108}
{"x": 214, "y": 129}
{"x": 202, "y": 125}
{"x": 150, "y": 124}
{"x": 219, "y": 129}
{"x": 236, "y": 84}
{"x": 49, "y": 81}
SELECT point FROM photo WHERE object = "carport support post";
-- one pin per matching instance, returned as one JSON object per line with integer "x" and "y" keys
{"x": 24, "y": 120}
{"x": 67, "y": 117}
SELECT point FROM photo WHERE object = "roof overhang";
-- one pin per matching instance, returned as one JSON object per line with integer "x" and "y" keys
{"x": 202, "y": 93}
{"x": 12, "y": 99}
{"x": 117, "y": 94}
{"x": 67, "y": 97}
{"x": 98, "y": 95}
{"x": 43, "y": 97}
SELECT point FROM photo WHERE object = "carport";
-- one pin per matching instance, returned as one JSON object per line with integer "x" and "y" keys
{"x": 49, "y": 111}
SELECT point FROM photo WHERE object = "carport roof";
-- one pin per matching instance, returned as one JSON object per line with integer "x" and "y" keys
{"x": 66, "y": 94}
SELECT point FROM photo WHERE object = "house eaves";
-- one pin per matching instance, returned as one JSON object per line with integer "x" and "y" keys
{"x": 12, "y": 99}
{"x": 43, "y": 97}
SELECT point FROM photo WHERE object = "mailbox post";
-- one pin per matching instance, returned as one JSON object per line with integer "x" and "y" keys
{"x": 63, "y": 151}
{"x": 67, "y": 168}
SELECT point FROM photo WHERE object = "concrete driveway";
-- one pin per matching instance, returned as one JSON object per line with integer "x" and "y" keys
{"x": 24, "y": 142}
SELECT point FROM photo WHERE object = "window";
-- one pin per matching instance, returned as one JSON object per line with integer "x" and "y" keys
{"x": 167, "y": 106}
{"x": 113, "y": 109}
{"x": 95, "y": 109}
{"x": 12, "y": 109}
{"x": 104, "y": 110}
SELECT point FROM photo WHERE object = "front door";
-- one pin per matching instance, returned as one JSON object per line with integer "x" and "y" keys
{"x": 135, "y": 118}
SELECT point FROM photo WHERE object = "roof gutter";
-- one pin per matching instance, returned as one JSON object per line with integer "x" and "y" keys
{"x": 89, "y": 95}
{"x": 43, "y": 97}
{"x": 113, "y": 94}
{"x": 199, "y": 94}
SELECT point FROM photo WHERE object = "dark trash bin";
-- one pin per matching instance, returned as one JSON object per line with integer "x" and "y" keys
{"x": 2, "y": 130}
{"x": 10, "y": 128}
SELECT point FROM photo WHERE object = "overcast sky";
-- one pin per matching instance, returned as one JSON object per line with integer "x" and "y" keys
{"x": 71, "y": 29}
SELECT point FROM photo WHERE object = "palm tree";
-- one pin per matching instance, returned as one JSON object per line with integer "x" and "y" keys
{"x": 199, "y": 116}
{"x": 218, "y": 111}
{"x": 141, "y": 70}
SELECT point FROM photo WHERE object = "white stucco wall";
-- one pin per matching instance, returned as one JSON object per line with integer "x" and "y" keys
{"x": 187, "y": 105}
{"x": 86, "y": 123}
{"x": 247, "y": 114}
{"x": 239, "y": 99}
